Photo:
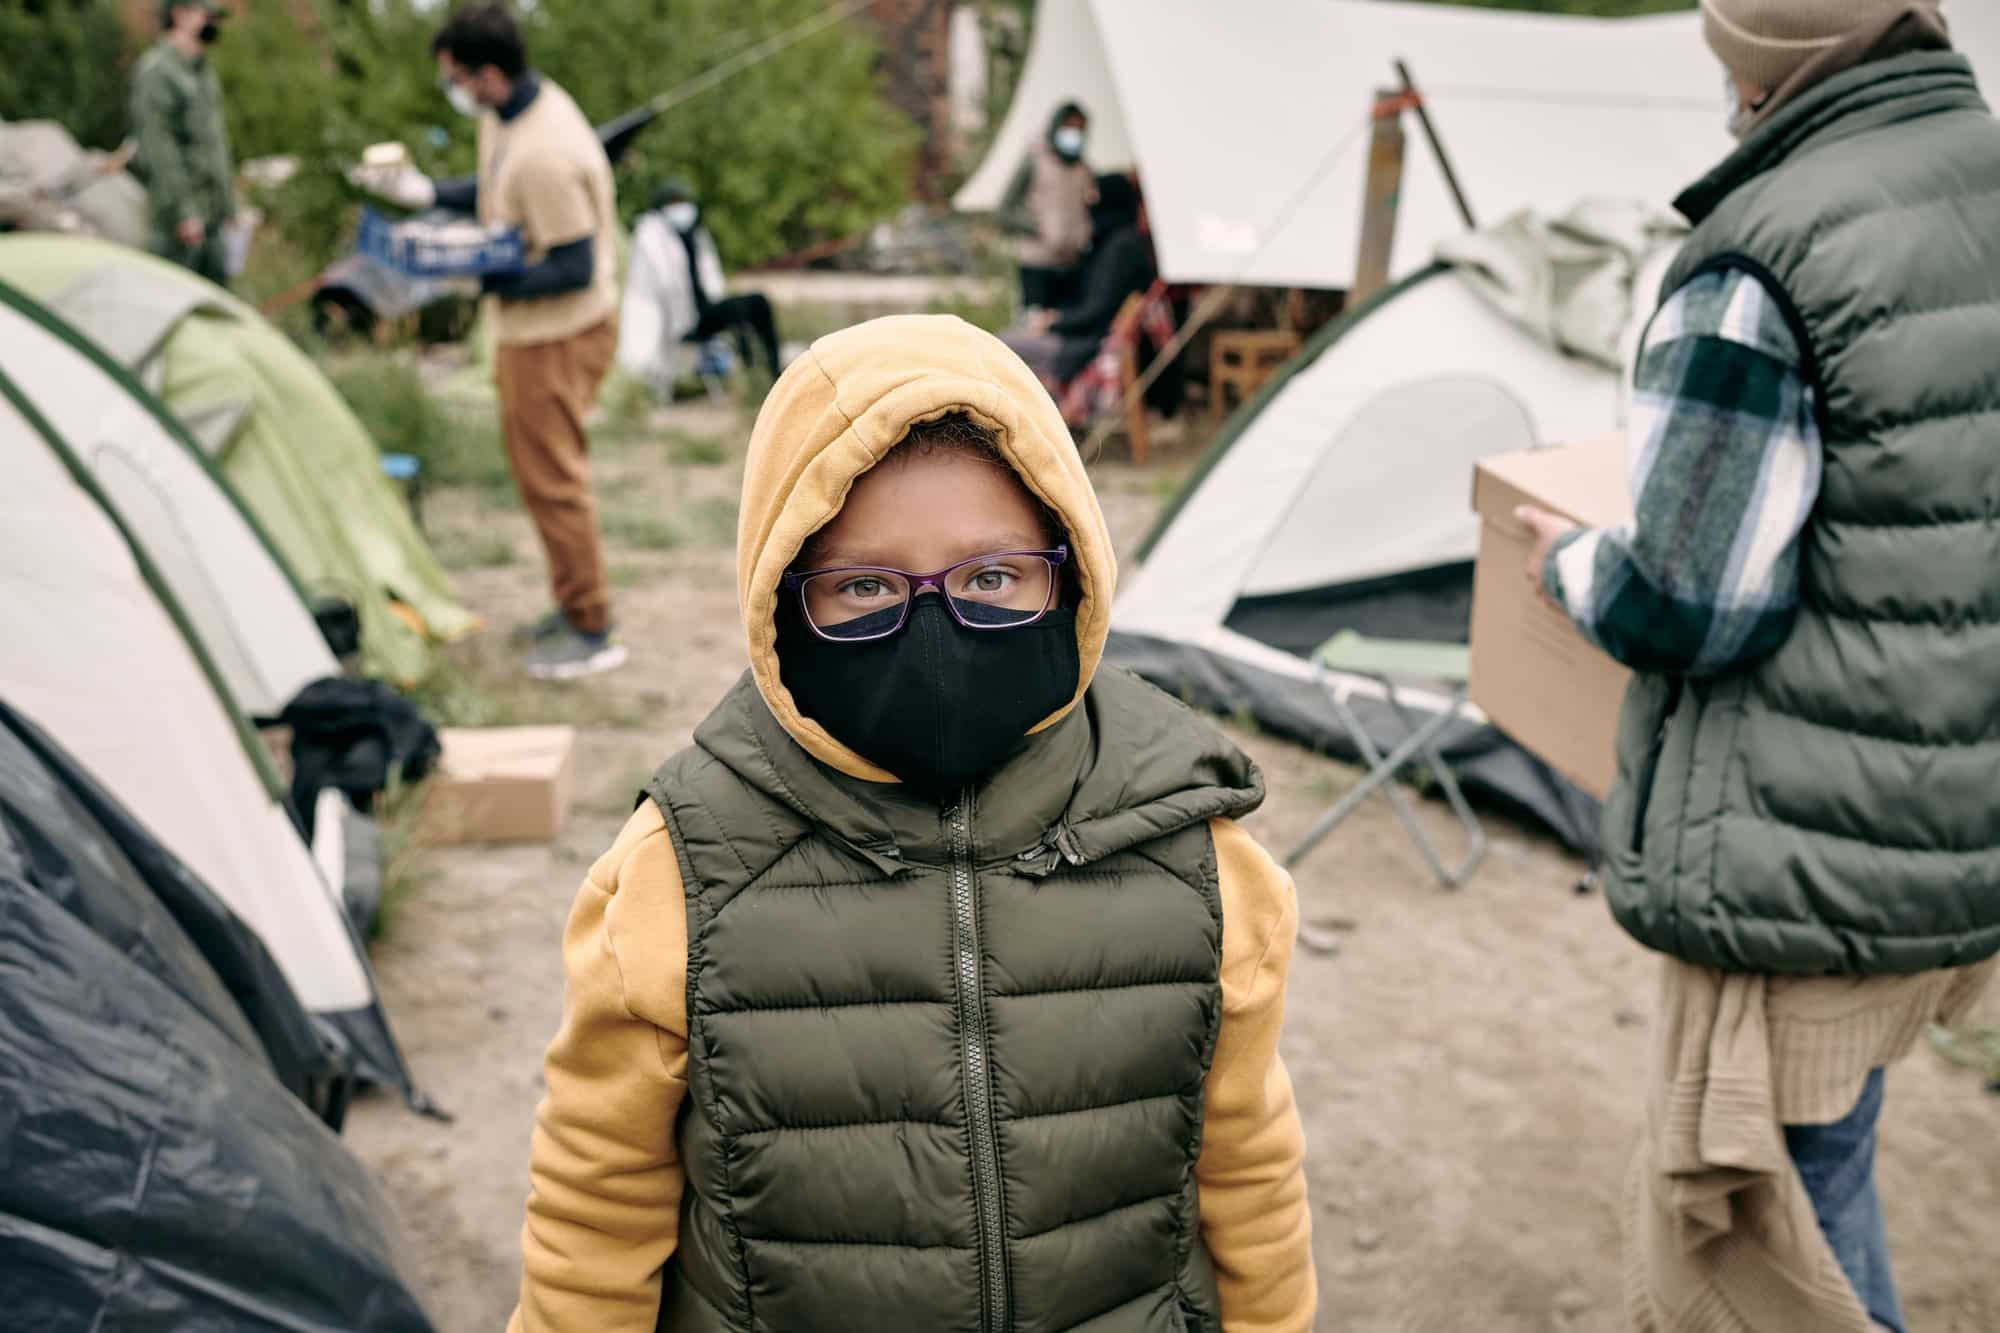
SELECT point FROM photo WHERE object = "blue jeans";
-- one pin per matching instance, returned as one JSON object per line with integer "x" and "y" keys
{"x": 1837, "y": 1162}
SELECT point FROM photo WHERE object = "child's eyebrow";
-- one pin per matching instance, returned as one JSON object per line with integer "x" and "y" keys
{"x": 990, "y": 544}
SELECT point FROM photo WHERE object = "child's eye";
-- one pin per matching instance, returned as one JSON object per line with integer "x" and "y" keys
{"x": 992, "y": 580}
{"x": 864, "y": 588}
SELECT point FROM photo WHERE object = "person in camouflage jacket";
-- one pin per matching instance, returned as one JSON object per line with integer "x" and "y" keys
{"x": 183, "y": 145}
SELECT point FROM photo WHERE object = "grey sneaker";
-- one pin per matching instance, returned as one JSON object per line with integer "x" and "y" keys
{"x": 535, "y": 631}
{"x": 568, "y": 654}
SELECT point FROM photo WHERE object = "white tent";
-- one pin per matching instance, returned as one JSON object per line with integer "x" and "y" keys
{"x": 1248, "y": 123}
{"x": 245, "y": 608}
{"x": 1341, "y": 499}
{"x": 103, "y": 657}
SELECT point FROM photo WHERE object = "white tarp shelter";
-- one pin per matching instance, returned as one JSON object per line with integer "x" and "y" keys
{"x": 103, "y": 657}
{"x": 1248, "y": 122}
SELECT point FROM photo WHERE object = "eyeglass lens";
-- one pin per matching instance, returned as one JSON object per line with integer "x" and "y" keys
{"x": 1000, "y": 592}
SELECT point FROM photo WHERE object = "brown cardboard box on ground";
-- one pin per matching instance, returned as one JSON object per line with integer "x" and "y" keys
{"x": 1533, "y": 675}
{"x": 500, "y": 784}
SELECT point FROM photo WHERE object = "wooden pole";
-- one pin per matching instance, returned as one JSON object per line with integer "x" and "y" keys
{"x": 1381, "y": 198}
{"x": 1437, "y": 144}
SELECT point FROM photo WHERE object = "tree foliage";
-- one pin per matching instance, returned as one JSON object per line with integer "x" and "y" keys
{"x": 799, "y": 148}
{"x": 65, "y": 60}
{"x": 796, "y": 149}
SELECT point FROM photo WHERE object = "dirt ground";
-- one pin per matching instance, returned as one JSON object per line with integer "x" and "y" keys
{"x": 1467, "y": 1063}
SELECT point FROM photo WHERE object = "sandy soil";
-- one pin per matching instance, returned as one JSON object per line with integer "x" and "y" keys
{"x": 1468, "y": 1063}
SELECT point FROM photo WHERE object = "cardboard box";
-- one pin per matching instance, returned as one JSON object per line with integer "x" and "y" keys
{"x": 500, "y": 784}
{"x": 1533, "y": 675}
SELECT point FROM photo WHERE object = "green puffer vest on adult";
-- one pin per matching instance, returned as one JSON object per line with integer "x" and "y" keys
{"x": 1835, "y": 808}
{"x": 945, "y": 1067}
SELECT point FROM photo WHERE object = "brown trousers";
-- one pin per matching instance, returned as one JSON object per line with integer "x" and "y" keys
{"x": 546, "y": 391}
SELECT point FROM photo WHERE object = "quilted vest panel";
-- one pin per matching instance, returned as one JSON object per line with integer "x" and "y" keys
{"x": 955, "y": 1085}
{"x": 1831, "y": 809}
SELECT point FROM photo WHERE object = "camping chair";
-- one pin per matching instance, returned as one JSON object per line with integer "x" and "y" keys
{"x": 1387, "y": 661}
{"x": 1108, "y": 381}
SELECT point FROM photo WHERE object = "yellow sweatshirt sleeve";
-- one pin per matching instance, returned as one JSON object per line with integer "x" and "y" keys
{"x": 1252, "y": 1174}
{"x": 605, "y": 1173}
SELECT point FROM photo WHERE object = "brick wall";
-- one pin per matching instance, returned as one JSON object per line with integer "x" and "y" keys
{"x": 916, "y": 69}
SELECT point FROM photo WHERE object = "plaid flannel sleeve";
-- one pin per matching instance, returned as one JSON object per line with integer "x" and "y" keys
{"x": 1725, "y": 468}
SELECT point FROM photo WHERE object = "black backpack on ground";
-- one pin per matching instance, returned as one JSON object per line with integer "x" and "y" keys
{"x": 356, "y": 736}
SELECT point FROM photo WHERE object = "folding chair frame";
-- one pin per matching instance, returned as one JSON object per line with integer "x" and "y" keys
{"x": 1420, "y": 742}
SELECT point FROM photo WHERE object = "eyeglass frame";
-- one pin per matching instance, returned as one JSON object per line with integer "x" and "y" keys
{"x": 795, "y": 581}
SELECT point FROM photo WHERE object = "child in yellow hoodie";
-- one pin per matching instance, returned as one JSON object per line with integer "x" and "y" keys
{"x": 934, "y": 988}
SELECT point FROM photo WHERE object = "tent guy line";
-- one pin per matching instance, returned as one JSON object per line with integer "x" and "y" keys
{"x": 753, "y": 55}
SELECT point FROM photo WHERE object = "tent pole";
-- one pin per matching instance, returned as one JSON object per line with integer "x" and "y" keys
{"x": 1381, "y": 197}
{"x": 1437, "y": 144}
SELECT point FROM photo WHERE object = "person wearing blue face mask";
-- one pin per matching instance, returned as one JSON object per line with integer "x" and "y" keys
{"x": 675, "y": 297}
{"x": 1047, "y": 207}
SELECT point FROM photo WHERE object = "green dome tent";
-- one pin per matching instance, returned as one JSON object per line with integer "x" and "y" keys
{"x": 284, "y": 439}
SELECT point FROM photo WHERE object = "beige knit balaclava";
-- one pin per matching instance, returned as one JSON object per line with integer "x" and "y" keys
{"x": 1764, "y": 42}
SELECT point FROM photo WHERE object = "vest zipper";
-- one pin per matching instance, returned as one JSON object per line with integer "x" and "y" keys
{"x": 978, "y": 1072}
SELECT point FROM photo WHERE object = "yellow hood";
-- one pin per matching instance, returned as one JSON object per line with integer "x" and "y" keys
{"x": 835, "y": 412}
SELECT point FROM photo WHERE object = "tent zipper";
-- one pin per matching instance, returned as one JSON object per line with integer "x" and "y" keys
{"x": 978, "y": 1072}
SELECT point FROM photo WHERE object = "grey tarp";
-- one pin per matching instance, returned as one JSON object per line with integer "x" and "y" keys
{"x": 86, "y": 852}
{"x": 49, "y": 183}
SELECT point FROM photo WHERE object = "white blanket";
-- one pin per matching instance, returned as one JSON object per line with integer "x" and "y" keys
{"x": 1569, "y": 280}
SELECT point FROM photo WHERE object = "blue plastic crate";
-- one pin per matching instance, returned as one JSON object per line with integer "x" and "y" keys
{"x": 416, "y": 249}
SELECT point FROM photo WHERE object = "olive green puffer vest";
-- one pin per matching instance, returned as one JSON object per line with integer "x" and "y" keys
{"x": 1836, "y": 807}
{"x": 945, "y": 1068}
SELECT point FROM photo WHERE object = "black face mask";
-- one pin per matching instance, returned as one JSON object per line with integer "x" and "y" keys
{"x": 940, "y": 706}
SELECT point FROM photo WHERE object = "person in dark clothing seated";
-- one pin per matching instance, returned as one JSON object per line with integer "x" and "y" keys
{"x": 1058, "y": 344}
{"x": 674, "y": 294}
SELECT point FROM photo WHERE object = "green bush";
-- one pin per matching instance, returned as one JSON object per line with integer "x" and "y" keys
{"x": 66, "y": 60}
{"x": 800, "y": 148}
{"x": 797, "y": 149}
{"x": 457, "y": 446}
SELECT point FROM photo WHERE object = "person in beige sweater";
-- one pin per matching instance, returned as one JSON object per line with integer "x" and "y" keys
{"x": 936, "y": 986}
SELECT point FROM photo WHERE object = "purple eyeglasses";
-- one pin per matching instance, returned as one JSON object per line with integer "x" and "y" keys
{"x": 857, "y": 603}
